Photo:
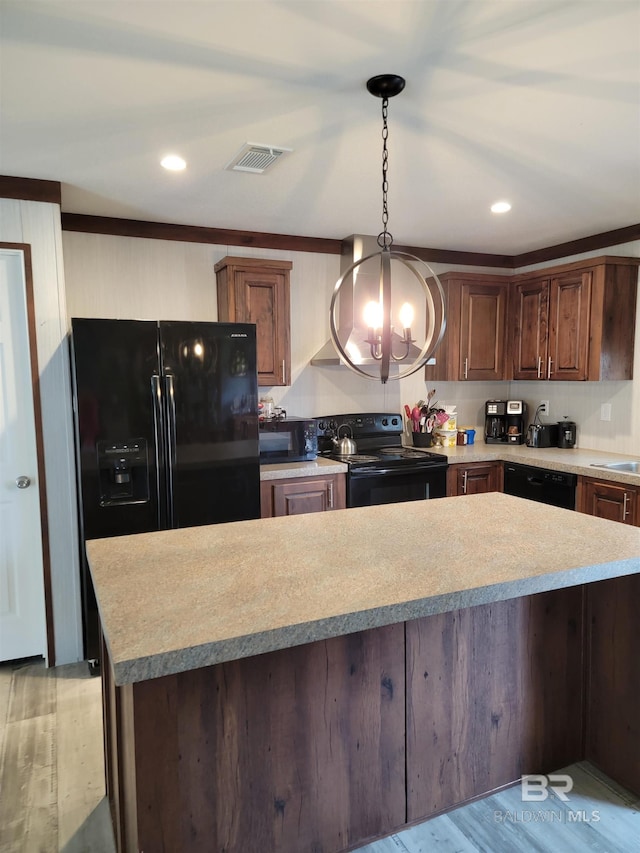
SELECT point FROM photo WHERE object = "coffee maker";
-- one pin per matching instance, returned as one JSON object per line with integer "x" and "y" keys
{"x": 495, "y": 421}
{"x": 516, "y": 421}
{"x": 504, "y": 421}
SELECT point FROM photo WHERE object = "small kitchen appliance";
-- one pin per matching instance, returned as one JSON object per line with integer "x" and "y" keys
{"x": 504, "y": 421}
{"x": 382, "y": 471}
{"x": 516, "y": 420}
{"x": 567, "y": 433}
{"x": 287, "y": 439}
{"x": 495, "y": 421}
{"x": 542, "y": 435}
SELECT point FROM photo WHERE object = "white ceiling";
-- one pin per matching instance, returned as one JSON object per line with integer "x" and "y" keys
{"x": 533, "y": 101}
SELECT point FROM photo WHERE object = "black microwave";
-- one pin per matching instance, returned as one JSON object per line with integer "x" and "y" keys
{"x": 288, "y": 440}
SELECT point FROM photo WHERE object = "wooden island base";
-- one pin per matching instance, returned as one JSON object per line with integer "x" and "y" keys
{"x": 324, "y": 746}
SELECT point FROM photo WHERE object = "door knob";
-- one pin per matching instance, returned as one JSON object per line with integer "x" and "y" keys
{"x": 23, "y": 482}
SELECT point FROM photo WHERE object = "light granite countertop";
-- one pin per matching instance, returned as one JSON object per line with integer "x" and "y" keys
{"x": 575, "y": 461}
{"x": 314, "y": 468}
{"x": 178, "y": 600}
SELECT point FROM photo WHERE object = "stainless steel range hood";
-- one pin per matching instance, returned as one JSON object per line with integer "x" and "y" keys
{"x": 365, "y": 282}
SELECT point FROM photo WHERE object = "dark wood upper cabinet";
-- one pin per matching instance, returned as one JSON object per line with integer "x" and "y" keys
{"x": 575, "y": 322}
{"x": 551, "y": 328}
{"x": 252, "y": 290}
{"x": 530, "y": 307}
{"x": 473, "y": 346}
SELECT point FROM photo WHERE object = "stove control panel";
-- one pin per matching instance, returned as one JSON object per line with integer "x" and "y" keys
{"x": 375, "y": 424}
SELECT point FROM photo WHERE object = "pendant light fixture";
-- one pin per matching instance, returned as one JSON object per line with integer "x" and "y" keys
{"x": 386, "y": 346}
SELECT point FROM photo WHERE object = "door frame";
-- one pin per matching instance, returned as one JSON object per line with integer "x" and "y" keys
{"x": 25, "y": 249}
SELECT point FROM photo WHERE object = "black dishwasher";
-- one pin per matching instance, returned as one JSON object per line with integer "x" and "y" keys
{"x": 540, "y": 484}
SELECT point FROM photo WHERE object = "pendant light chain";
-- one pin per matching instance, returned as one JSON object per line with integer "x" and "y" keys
{"x": 385, "y": 346}
{"x": 385, "y": 239}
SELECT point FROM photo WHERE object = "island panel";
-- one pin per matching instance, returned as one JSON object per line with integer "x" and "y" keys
{"x": 613, "y": 661}
{"x": 493, "y": 692}
{"x": 299, "y": 749}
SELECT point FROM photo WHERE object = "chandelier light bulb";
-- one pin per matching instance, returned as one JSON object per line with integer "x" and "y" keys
{"x": 406, "y": 315}
{"x": 373, "y": 315}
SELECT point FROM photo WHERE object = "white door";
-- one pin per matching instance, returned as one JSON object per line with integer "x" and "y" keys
{"x": 22, "y": 609}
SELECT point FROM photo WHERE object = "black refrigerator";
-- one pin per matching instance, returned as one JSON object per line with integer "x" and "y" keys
{"x": 166, "y": 431}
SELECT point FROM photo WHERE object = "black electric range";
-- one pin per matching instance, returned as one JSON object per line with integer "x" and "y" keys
{"x": 382, "y": 470}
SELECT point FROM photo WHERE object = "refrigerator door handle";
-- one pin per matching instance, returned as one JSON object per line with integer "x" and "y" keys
{"x": 158, "y": 434}
{"x": 171, "y": 445}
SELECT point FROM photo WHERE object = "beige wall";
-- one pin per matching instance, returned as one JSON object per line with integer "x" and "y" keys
{"x": 132, "y": 277}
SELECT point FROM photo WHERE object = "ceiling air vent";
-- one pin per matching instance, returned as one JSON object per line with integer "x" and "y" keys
{"x": 256, "y": 158}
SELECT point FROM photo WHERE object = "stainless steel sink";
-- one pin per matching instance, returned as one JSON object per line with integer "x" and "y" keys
{"x": 631, "y": 467}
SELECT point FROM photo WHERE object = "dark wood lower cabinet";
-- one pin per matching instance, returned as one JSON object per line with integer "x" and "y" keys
{"x": 474, "y": 478}
{"x": 323, "y": 746}
{"x": 298, "y": 495}
{"x": 606, "y": 499}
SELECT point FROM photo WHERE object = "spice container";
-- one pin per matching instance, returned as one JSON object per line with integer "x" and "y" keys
{"x": 447, "y": 437}
{"x": 265, "y": 407}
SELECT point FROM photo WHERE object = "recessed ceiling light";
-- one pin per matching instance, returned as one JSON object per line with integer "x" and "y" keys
{"x": 500, "y": 207}
{"x": 173, "y": 163}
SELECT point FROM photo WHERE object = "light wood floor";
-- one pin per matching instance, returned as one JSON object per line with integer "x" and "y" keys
{"x": 52, "y": 787}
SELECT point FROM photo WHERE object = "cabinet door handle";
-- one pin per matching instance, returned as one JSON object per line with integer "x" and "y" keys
{"x": 625, "y": 506}
{"x": 549, "y": 371}
{"x": 466, "y": 368}
{"x": 283, "y": 372}
{"x": 464, "y": 482}
{"x": 539, "y": 367}
{"x": 330, "y": 490}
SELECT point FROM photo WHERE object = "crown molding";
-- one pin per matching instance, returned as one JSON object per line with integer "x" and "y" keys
{"x": 30, "y": 189}
{"x": 284, "y": 242}
{"x": 196, "y": 234}
{"x": 33, "y": 189}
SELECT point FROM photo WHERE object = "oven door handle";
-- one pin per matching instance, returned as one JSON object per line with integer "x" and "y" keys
{"x": 395, "y": 472}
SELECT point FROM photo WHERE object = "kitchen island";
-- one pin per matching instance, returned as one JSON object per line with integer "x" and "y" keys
{"x": 308, "y": 683}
